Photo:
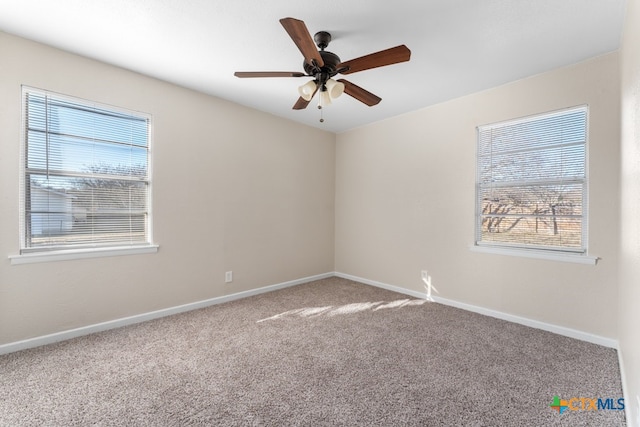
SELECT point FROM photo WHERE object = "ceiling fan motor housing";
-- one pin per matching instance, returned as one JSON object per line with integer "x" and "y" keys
{"x": 331, "y": 61}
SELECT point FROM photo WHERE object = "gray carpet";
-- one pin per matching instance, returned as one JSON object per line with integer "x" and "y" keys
{"x": 331, "y": 352}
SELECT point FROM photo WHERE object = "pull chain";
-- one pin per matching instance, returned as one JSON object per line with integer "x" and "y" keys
{"x": 320, "y": 108}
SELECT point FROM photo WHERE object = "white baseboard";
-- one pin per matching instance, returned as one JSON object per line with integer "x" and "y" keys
{"x": 560, "y": 330}
{"x": 386, "y": 286}
{"x": 112, "y": 324}
{"x": 117, "y": 323}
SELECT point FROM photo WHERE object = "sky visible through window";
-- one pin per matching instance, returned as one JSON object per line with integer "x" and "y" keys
{"x": 67, "y": 138}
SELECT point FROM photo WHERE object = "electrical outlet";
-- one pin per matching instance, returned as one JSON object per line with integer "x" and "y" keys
{"x": 228, "y": 277}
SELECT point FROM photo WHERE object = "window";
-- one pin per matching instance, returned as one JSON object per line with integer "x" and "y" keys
{"x": 531, "y": 188}
{"x": 86, "y": 181}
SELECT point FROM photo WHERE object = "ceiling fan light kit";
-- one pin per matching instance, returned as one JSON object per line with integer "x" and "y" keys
{"x": 323, "y": 65}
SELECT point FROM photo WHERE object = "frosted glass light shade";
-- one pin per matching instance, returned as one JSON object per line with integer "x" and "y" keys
{"x": 307, "y": 90}
{"x": 325, "y": 98}
{"x": 334, "y": 88}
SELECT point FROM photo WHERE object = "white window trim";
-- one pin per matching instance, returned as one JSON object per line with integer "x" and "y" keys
{"x": 72, "y": 254}
{"x": 52, "y": 255}
{"x": 549, "y": 255}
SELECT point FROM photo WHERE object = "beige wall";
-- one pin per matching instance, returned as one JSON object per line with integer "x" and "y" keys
{"x": 405, "y": 191}
{"x": 629, "y": 319}
{"x": 233, "y": 189}
{"x": 236, "y": 189}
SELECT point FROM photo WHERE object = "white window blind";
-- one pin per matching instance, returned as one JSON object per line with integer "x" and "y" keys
{"x": 86, "y": 174}
{"x": 531, "y": 188}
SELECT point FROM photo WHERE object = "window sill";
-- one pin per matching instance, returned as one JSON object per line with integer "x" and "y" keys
{"x": 70, "y": 254}
{"x": 537, "y": 254}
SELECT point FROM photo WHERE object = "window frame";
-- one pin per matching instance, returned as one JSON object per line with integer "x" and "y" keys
{"x": 51, "y": 252}
{"x": 524, "y": 249}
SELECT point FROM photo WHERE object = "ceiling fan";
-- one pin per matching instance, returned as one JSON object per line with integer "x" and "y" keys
{"x": 323, "y": 65}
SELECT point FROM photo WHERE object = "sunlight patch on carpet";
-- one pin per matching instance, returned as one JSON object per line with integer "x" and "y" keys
{"x": 354, "y": 308}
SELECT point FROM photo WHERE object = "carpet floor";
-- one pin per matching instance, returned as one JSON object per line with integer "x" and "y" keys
{"x": 328, "y": 353}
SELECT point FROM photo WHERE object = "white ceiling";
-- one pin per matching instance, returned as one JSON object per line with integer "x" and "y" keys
{"x": 458, "y": 46}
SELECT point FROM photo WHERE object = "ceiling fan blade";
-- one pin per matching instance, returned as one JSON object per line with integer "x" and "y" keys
{"x": 246, "y": 74}
{"x": 300, "y": 35}
{"x": 301, "y": 103}
{"x": 360, "y": 94}
{"x": 378, "y": 59}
